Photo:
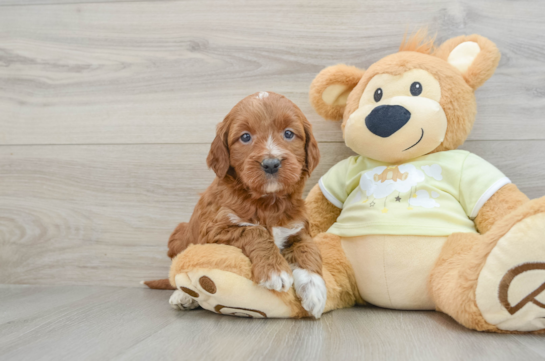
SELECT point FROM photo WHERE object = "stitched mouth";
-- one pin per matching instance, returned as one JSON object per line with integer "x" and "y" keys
{"x": 422, "y": 136}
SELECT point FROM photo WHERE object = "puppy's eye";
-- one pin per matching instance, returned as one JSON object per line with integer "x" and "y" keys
{"x": 288, "y": 134}
{"x": 416, "y": 89}
{"x": 378, "y": 95}
{"x": 245, "y": 138}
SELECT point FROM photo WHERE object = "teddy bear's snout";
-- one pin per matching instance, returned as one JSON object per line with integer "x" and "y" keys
{"x": 385, "y": 120}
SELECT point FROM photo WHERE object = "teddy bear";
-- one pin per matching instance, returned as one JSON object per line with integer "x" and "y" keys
{"x": 410, "y": 222}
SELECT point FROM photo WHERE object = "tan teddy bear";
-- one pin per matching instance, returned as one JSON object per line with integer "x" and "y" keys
{"x": 410, "y": 222}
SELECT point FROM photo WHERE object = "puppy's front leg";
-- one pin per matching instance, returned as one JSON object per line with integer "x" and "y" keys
{"x": 269, "y": 268}
{"x": 306, "y": 262}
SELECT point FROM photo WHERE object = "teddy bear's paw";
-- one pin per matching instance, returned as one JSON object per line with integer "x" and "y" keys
{"x": 510, "y": 291}
{"x": 311, "y": 289}
{"x": 278, "y": 281}
{"x": 228, "y": 293}
{"x": 182, "y": 301}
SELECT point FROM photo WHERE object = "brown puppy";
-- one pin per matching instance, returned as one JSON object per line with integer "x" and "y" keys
{"x": 262, "y": 155}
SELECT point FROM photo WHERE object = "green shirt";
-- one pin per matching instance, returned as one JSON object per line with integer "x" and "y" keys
{"x": 433, "y": 195}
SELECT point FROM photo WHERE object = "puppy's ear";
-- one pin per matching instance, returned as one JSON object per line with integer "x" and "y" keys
{"x": 312, "y": 153}
{"x": 218, "y": 157}
{"x": 330, "y": 89}
{"x": 474, "y": 56}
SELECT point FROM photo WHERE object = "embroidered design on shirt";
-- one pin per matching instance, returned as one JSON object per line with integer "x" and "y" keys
{"x": 381, "y": 182}
{"x": 390, "y": 173}
{"x": 390, "y": 179}
{"x": 433, "y": 171}
{"x": 422, "y": 199}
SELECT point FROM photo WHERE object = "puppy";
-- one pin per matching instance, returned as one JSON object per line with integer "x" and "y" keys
{"x": 262, "y": 155}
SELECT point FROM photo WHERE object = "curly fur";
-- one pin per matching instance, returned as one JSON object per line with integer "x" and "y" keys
{"x": 239, "y": 208}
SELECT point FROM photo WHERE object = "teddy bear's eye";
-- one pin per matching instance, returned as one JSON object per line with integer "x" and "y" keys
{"x": 416, "y": 89}
{"x": 378, "y": 95}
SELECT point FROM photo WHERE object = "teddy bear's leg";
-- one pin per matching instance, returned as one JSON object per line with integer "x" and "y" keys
{"x": 218, "y": 278}
{"x": 496, "y": 281}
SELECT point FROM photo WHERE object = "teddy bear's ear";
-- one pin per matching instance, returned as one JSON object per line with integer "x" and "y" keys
{"x": 330, "y": 89}
{"x": 475, "y": 56}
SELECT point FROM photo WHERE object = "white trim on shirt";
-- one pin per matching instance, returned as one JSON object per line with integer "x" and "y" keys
{"x": 486, "y": 195}
{"x": 330, "y": 197}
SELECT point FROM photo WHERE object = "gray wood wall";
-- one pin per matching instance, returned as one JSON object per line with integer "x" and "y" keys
{"x": 107, "y": 109}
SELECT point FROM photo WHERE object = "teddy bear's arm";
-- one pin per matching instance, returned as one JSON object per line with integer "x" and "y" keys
{"x": 503, "y": 202}
{"x": 321, "y": 212}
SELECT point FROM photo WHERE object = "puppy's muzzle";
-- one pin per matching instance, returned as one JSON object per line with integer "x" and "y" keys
{"x": 271, "y": 165}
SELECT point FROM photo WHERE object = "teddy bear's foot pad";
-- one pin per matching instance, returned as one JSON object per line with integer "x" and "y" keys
{"x": 227, "y": 293}
{"x": 511, "y": 286}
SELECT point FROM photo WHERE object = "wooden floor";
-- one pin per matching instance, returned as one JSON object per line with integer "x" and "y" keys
{"x": 107, "y": 110}
{"x": 112, "y": 323}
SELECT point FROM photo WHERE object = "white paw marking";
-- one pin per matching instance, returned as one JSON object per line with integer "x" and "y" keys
{"x": 262, "y": 95}
{"x": 310, "y": 288}
{"x": 278, "y": 282}
{"x": 281, "y": 234}
{"x": 181, "y": 301}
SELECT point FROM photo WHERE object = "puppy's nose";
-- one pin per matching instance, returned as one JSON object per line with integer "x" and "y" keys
{"x": 385, "y": 120}
{"x": 270, "y": 165}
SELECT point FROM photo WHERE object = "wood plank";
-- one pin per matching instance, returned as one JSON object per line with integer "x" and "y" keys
{"x": 94, "y": 328}
{"x": 349, "y": 334}
{"x": 167, "y": 72}
{"x": 23, "y": 301}
{"x": 94, "y": 214}
{"x": 138, "y": 324}
{"x": 59, "y": 2}
{"x": 534, "y": 343}
{"x": 102, "y": 214}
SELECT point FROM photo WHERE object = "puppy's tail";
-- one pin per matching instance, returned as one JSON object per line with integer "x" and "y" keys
{"x": 163, "y": 284}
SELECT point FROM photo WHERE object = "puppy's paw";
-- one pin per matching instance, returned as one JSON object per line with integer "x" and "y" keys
{"x": 278, "y": 281}
{"x": 181, "y": 301}
{"x": 311, "y": 289}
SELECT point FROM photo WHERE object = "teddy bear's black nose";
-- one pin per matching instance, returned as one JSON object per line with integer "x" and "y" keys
{"x": 385, "y": 120}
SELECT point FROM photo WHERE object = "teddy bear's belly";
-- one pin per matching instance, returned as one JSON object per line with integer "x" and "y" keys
{"x": 393, "y": 271}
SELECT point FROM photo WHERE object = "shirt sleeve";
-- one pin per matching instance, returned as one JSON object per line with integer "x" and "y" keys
{"x": 333, "y": 183}
{"x": 479, "y": 181}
